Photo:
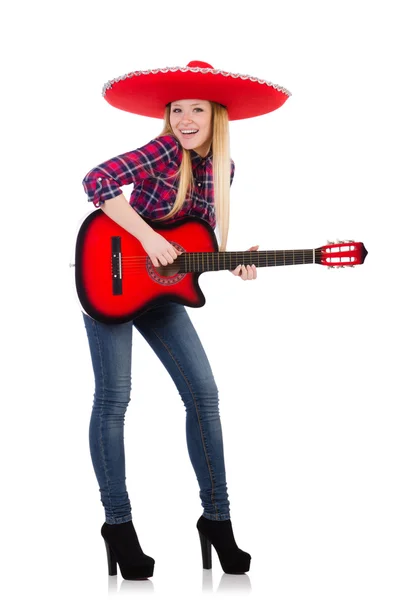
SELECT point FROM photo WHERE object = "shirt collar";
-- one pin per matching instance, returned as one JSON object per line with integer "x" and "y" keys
{"x": 196, "y": 158}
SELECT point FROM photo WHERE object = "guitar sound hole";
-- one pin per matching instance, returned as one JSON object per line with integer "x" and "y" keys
{"x": 168, "y": 275}
{"x": 167, "y": 271}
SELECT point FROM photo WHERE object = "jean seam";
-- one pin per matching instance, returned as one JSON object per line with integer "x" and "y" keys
{"x": 197, "y": 412}
{"x": 101, "y": 444}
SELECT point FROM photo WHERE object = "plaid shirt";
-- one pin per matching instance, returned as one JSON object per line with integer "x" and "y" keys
{"x": 152, "y": 169}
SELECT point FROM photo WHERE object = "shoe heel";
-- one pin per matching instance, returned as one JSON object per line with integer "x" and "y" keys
{"x": 205, "y": 551}
{"x": 112, "y": 563}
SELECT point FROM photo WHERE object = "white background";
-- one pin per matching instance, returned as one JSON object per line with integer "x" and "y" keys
{"x": 304, "y": 357}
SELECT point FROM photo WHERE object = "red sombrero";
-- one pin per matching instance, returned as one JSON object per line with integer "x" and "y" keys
{"x": 147, "y": 92}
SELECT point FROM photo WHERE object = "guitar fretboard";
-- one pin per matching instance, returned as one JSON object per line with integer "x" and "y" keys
{"x": 199, "y": 262}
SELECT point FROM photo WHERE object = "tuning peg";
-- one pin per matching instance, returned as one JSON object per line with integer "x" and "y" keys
{"x": 330, "y": 242}
{"x": 71, "y": 264}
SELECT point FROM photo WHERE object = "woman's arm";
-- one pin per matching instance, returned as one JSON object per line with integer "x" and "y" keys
{"x": 152, "y": 160}
{"x": 124, "y": 215}
{"x": 102, "y": 185}
{"x": 155, "y": 245}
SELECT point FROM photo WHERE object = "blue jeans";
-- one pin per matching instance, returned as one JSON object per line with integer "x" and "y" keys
{"x": 170, "y": 333}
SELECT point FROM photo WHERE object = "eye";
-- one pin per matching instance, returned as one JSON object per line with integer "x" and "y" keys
{"x": 176, "y": 110}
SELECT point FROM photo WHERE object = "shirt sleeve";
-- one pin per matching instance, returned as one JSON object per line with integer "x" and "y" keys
{"x": 104, "y": 181}
{"x": 232, "y": 167}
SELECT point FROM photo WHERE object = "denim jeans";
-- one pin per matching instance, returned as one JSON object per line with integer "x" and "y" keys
{"x": 172, "y": 336}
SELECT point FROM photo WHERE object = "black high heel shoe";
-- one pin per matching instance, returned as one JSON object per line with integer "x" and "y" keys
{"x": 220, "y": 534}
{"x": 122, "y": 547}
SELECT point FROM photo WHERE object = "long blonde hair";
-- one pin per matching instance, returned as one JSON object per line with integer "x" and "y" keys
{"x": 221, "y": 170}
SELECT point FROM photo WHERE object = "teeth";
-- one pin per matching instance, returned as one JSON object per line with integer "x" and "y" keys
{"x": 189, "y": 130}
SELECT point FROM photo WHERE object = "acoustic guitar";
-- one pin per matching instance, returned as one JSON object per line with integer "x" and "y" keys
{"x": 116, "y": 280}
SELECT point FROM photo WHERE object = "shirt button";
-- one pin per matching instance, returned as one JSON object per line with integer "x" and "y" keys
{"x": 199, "y": 184}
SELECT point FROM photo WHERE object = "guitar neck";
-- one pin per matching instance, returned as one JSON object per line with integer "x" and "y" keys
{"x": 199, "y": 262}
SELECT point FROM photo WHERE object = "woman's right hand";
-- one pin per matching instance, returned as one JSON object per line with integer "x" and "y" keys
{"x": 159, "y": 249}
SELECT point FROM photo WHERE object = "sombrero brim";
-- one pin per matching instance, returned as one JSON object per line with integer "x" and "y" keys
{"x": 148, "y": 92}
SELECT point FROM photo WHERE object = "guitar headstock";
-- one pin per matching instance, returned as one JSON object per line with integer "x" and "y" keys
{"x": 347, "y": 253}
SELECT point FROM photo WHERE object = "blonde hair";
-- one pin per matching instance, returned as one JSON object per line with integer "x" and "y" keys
{"x": 221, "y": 170}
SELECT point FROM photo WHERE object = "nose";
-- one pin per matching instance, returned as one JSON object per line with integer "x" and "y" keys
{"x": 186, "y": 118}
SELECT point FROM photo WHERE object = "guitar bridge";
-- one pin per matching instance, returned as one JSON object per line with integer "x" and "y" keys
{"x": 117, "y": 275}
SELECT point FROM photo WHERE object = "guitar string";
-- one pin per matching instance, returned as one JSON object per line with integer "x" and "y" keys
{"x": 172, "y": 272}
{"x": 240, "y": 259}
{"x": 217, "y": 260}
{"x": 172, "y": 266}
{"x": 236, "y": 255}
{"x": 207, "y": 260}
{"x": 242, "y": 254}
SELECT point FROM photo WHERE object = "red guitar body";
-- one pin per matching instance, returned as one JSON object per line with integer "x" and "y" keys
{"x": 143, "y": 286}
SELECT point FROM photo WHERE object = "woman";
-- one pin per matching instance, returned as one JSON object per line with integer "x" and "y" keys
{"x": 186, "y": 170}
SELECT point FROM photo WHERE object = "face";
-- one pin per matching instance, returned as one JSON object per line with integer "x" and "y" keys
{"x": 191, "y": 123}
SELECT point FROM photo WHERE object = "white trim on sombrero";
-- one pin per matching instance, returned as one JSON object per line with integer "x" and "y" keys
{"x": 109, "y": 84}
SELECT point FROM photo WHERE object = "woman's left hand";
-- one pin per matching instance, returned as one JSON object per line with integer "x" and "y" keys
{"x": 246, "y": 272}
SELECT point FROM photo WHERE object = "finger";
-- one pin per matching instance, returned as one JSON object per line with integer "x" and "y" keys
{"x": 253, "y": 270}
{"x": 169, "y": 257}
{"x": 154, "y": 261}
{"x": 244, "y": 273}
{"x": 172, "y": 252}
{"x": 250, "y": 272}
{"x": 163, "y": 260}
{"x": 237, "y": 270}
{"x": 253, "y": 248}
